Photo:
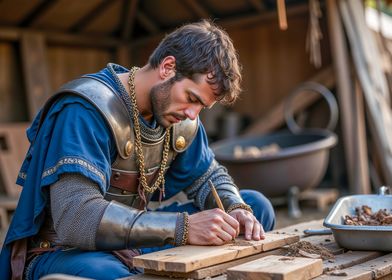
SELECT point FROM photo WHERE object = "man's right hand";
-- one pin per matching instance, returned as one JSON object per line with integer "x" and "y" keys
{"x": 212, "y": 227}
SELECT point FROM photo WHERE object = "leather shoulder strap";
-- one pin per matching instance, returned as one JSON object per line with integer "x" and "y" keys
{"x": 108, "y": 103}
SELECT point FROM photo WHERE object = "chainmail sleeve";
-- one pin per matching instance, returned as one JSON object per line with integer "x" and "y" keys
{"x": 77, "y": 207}
{"x": 227, "y": 190}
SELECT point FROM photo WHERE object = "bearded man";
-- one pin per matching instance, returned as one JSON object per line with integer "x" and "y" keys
{"x": 119, "y": 165}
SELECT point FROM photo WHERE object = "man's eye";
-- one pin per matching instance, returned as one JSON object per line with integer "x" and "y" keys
{"x": 191, "y": 99}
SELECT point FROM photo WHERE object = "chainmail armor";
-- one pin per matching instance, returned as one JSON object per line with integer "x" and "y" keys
{"x": 77, "y": 206}
{"x": 200, "y": 189}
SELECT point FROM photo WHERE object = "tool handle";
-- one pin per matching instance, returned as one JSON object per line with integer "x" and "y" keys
{"x": 216, "y": 196}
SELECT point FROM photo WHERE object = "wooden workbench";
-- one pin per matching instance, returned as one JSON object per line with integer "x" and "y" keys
{"x": 361, "y": 265}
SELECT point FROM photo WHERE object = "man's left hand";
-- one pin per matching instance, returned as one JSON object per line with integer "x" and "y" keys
{"x": 248, "y": 224}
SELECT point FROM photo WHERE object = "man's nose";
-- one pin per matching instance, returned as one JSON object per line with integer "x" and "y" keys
{"x": 193, "y": 111}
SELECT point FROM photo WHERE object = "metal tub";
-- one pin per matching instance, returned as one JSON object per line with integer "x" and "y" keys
{"x": 301, "y": 162}
{"x": 360, "y": 237}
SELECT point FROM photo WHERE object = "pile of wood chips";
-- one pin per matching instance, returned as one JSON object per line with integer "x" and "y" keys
{"x": 365, "y": 217}
{"x": 309, "y": 250}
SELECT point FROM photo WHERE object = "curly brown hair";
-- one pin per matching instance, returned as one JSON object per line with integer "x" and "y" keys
{"x": 203, "y": 48}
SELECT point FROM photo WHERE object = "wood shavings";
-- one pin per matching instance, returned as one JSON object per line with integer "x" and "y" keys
{"x": 309, "y": 250}
{"x": 365, "y": 217}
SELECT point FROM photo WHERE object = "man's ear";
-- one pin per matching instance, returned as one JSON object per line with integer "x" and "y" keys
{"x": 167, "y": 68}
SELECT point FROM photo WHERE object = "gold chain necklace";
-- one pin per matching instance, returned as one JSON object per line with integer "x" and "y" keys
{"x": 138, "y": 143}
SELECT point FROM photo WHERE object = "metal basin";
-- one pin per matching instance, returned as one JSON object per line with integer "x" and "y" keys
{"x": 301, "y": 161}
{"x": 360, "y": 237}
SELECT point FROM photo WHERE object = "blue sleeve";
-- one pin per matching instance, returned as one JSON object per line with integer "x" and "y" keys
{"x": 80, "y": 142}
{"x": 189, "y": 165}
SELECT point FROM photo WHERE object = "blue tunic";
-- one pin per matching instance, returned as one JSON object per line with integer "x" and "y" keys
{"x": 75, "y": 138}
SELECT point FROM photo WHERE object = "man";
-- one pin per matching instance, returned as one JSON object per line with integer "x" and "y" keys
{"x": 111, "y": 146}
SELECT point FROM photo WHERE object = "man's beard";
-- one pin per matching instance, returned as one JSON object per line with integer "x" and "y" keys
{"x": 160, "y": 101}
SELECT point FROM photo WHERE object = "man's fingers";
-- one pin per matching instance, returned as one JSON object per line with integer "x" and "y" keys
{"x": 224, "y": 236}
{"x": 262, "y": 232}
{"x": 249, "y": 224}
{"x": 231, "y": 221}
{"x": 256, "y": 231}
{"x": 229, "y": 230}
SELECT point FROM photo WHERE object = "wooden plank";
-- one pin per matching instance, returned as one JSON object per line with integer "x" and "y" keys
{"x": 277, "y": 268}
{"x": 299, "y": 228}
{"x": 373, "y": 269}
{"x": 215, "y": 270}
{"x": 62, "y": 38}
{"x": 320, "y": 197}
{"x": 35, "y": 71}
{"x": 351, "y": 120}
{"x": 275, "y": 117}
{"x": 367, "y": 63}
{"x": 349, "y": 259}
{"x": 189, "y": 258}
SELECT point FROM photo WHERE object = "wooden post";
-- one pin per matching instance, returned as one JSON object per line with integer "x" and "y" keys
{"x": 35, "y": 70}
{"x": 123, "y": 56}
{"x": 372, "y": 79}
{"x": 361, "y": 175}
{"x": 349, "y": 116}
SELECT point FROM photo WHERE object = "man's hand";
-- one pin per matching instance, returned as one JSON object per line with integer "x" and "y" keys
{"x": 248, "y": 224}
{"x": 212, "y": 227}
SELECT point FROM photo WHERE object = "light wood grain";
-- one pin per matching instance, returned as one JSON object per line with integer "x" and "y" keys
{"x": 215, "y": 270}
{"x": 372, "y": 269}
{"x": 189, "y": 258}
{"x": 277, "y": 268}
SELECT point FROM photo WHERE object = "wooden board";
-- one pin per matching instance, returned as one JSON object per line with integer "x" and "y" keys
{"x": 35, "y": 70}
{"x": 277, "y": 268}
{"x": 372, "y": 269}
{"x": 349, "y": 259}
{"x": 215, "y": 270}
{"x": 359, "y": 265}
{"x": 298, "y": 229}
{"x": 322, "y": 198}
{"x": 189, "y": 258}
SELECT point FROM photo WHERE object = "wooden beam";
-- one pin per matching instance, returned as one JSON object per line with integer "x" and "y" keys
{"x": 372, "y": 79}
{"x": 93, "y": 14}
{"x": 197, "y": 8}
{"x": 123, "y": 56}
{"x": 128, "y": 20}
{"x": 258, "y": 5}
{"x": 344, "y": 87}
{"x": 15, "y": 34}
{"x": 361, "y": 171}
{"x": 35, "y": 14}
{"x": 35, "y": 71}
{"x": 146, "y": 22}
{"x": 236, "y": 22}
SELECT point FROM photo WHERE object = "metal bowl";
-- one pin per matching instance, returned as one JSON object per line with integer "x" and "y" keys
{"x": 360, "y": 237}
{"x": 301, "y": 161}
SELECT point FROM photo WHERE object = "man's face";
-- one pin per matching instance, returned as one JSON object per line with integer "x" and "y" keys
{"x": 173, "y": 102}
